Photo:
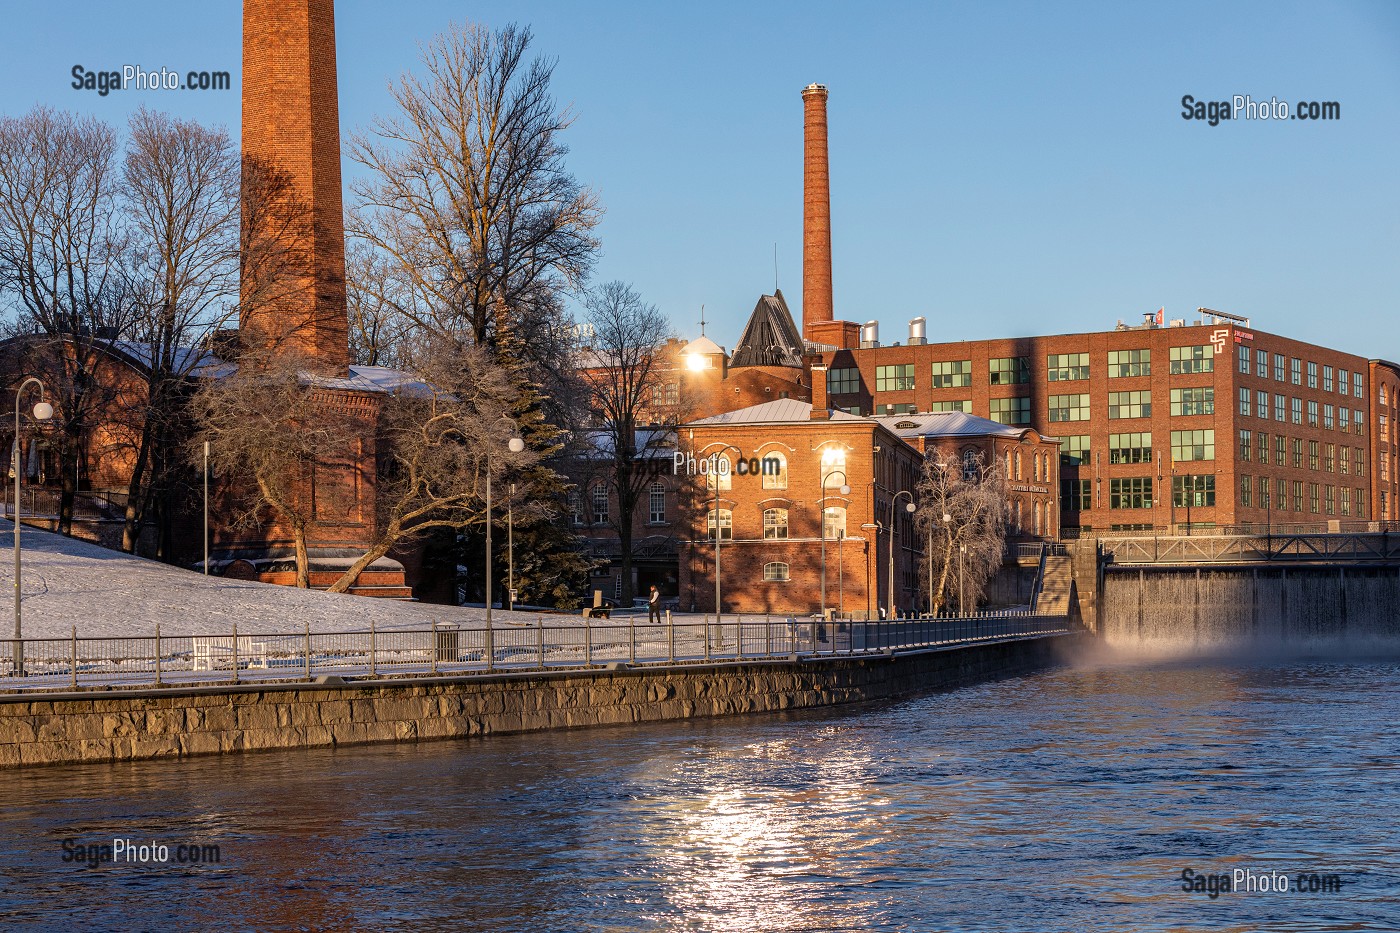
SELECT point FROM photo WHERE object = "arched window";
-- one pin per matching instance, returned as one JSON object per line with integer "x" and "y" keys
{"x": 775, "y": 471}
{"x": 775, "y": 523}
{"x": 971, "y": 460}
{"x": 1036, "y": 464}
{"x": 1037, "y": 518}
{"x": 775, "y": 572}
{"x": 1018, "y": 464}
{"x": 834, "y": 525}
{"x": 658, "y": 503}
{"x": 726, "y": 524}
{"x": 1009, "y": 474}
{"x": 575, "y": 507}
{"x": 600, "y": 504}
{"x": 722, "y": 470}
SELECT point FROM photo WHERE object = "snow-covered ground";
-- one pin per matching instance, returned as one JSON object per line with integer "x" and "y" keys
{"x": 108, "y": 593}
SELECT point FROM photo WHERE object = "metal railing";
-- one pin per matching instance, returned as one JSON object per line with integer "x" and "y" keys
{"x": 1198, "y": 549}
{"x": 240, "y": 656}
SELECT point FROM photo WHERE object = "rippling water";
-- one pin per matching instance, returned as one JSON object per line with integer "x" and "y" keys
{"x": 1067, "y": 800}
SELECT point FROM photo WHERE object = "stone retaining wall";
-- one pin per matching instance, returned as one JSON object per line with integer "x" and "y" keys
{"x": 172, "y": 722}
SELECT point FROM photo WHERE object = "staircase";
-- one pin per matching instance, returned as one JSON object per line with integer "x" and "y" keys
{"x": 1055, "y": 586}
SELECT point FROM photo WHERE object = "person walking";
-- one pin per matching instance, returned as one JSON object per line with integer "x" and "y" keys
{"x": 654, "y": 606}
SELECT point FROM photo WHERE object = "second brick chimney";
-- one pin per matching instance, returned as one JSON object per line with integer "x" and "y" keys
{"x": 816, "y": 212}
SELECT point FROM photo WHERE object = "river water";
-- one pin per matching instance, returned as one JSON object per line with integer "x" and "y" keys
{"x": 1071, "y": 799}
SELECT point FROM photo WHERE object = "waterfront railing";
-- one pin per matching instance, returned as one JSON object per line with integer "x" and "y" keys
{"x": 449, "y": 649}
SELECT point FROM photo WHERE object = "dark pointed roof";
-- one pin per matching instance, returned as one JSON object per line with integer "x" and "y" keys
{"x": 770, "y": 338}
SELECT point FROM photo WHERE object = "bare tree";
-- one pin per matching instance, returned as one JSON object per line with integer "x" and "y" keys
{"x": 380, "y": 334}
{"x": 467, "y": 198}
{"x": 270, "y": 427}
{"x": 59, "y": 252}
{"x": 969, "y": 543}
{"x": 440, "y": 435}
{"x": 181, "y": 195}
{"x": 626, "y": 373}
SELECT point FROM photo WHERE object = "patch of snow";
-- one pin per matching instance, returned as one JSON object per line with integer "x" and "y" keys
{"x": 67, "y": 582}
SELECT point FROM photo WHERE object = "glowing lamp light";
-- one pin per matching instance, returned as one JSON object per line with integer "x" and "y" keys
{"x": 516, "y": 445}
{"x": 43, "y": 411}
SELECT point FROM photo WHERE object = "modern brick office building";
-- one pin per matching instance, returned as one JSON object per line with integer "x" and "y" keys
{"x": 1210, "y": 424}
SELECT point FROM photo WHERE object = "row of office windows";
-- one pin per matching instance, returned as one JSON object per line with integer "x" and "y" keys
{"x": 1329, "y": 458}
{"x": 600, "y": 512}
{"x": 1254, "y": 403}
{"x": 1016, "y": 370}
{"x": 775, "y": 523}
{"x": 1186, "y": 402}
{"x": 1255, "y": 362}
{"x": 1261, "y": 492}
{"x": 1136, "y": 492}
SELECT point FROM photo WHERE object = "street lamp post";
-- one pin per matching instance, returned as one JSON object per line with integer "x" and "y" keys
{"x": 516, "y": 445}
{"x": 948, "y": 530}
{"x": 719, "y": 533}
{"x": 510, "y": 549}
{"x": 43, "y": 411}
{"x": 962, "y": 604}
{"x": 908, "y": 507}
{"x": 821, "y": 514}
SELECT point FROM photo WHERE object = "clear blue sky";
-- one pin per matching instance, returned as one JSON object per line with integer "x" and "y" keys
{"x": 1002, "y": 168}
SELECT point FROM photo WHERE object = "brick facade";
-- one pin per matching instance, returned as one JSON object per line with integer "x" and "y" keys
{"x": 1128, "y": 486}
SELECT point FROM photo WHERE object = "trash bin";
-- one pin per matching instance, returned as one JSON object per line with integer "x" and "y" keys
{"x": 448, "y": 643}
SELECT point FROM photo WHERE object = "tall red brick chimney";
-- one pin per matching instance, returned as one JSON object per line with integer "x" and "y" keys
{"x": 816, "y": 212}
{"x": 291, "y": 125}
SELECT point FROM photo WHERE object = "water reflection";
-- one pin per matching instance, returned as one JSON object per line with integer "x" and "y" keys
{"x": 1068, "y": 800}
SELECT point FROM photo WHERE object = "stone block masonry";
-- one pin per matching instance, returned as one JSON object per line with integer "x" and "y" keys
{"x": 97, "y": 726}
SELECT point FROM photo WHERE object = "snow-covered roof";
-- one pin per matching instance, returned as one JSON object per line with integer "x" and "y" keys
{"x": 778, "y": 411}
{"x": 651, "y": 443}
{"x": 950, "y": 424}
{"x": 703, "y": 346}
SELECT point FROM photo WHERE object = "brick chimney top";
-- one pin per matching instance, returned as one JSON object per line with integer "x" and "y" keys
{"x": 817, "y": 90}
{"x": 816, "y": 212}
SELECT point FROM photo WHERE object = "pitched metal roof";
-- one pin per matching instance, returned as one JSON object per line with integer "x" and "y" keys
{"x": 778, "y": 411}
{"x": 951, "y": 424}
{"x": 771, "y": 337}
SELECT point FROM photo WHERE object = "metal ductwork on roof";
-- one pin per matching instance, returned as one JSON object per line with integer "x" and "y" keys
{"x": 918, "y": 335}
{"x": 869, "y": 335}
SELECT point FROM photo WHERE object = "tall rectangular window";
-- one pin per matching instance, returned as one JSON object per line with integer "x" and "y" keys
{"x": 1312, "y": 375}
{"x": 1011, "y": 410}
{"x": 1296, "y": 408}
{"x": 1357, "y": 388}
{"x": 1063, "y": 367}
{"x": 600, "y": 504}
{"x": 1136, "y": 404}
{"x": 1343, "y": 418}
{"x": 1346, "y": 500}
{"x": 1124, "y": 363}
{"x": 1243, "y": 353}
{"x": 1262, "y": 404}
{"x": 1191, "y": 359}
{"x": 1360, "y": 461}
{"x": 1261, "y": 364}
{"x": 1278, "y": 367}
{"x": 1358, "y": 418}
{"x": 658, "y": 503}
{"x": 1246, "y": 490}
{"x": 1246, "y": 445}
{"x": 1193, "y": 445}
{"x": 1280, "y": 408}
{"x": 1280, "y": 450}
{"x": 1263, "y": 448}
{"x": 1074, "y": 450}
{"x": 1246, "y": 406}
{"x": 1298, "y": 454}
{"x": 1194, "y": 489}
{"x": 1312, "y": 498}
{"x": 1068, "y": 407}
{"x": 1130, "y": 448}
{"x": 1196, "y": 401}
{"x": 895, "y": 378}
{"x": 1312, "y": 413}
{"x": 1130, "y": 492}
{"x": 1328, "y": 417}
{"x": 952, "y": 374}
{"x": 1343, "y": 381}
{"x": 1329, "y": 499}
{"x": 1009, "y": 370}
{"x": 1344, "y": 460}
{"x": 1297, "y": 496}
{"x": 1295, "y": 371}
{"x": 843, "y": 381}
{"x": 1312, "y": 455}
{"x": 1327, "y": 378}
{"x": 1329, "y": 458}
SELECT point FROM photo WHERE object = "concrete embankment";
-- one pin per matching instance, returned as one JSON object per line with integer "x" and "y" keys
{"x": 173, "y": 722}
